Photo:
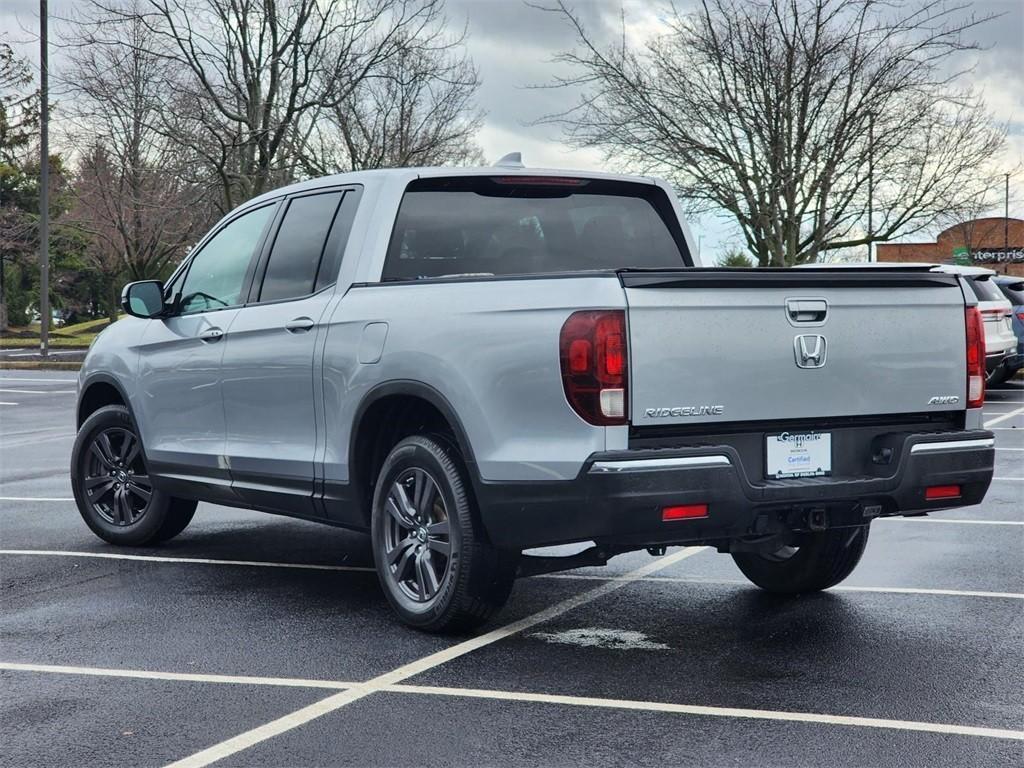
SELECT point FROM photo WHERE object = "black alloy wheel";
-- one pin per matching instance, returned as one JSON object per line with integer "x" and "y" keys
{"x": 434, "y": 562}
{"x": 417, "y": 536}
{"x": 113, "y": 489}
{"x": 116, "y": 483}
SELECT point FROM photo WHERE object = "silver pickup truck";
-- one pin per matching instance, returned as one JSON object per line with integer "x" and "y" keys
{"x": 470, "y": 364}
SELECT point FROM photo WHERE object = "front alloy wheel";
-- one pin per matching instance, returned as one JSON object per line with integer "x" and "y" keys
{"x": 116, "y": 483}
{"x": 417, "y": 536}
{"x": 112, "y": 488}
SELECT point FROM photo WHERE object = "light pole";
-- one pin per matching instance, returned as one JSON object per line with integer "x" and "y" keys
{"x": 1006, "y": 223}
{"x": 871, "y": 185}
{"x": 44, "y": 187}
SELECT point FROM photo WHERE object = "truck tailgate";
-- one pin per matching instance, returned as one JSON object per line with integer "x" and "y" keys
{"x": 751, "y": 345}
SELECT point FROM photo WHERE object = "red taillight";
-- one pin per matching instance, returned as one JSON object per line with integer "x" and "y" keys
{"x": 975, "y": 358}
{"x": 934, "y": 492}
{"x": 595, "y": 365}
{"x": 684, "y": 512}
{"x": 1020, "y": 316}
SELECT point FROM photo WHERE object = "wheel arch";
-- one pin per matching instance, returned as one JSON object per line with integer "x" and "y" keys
{"x": 423, "y": 406}
{"x": 99, "y": 390}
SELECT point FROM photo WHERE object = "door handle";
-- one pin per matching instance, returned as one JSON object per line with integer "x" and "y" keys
{"x": 299, "y": 325}
{"x": 807, "y": 310}
{"x": 211, "y": 335}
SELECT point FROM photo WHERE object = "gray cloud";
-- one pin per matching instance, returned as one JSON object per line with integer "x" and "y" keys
{"x": 513, "y": 45}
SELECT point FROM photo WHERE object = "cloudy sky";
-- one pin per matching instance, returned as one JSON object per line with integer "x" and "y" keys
{"x": 514, "y": 45}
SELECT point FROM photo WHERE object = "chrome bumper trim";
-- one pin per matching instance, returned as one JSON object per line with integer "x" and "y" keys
{"x": 954, "y": 445}
{"x": 652, "y": 465}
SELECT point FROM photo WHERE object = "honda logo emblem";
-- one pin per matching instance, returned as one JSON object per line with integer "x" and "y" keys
{"x": 810, "y": 350}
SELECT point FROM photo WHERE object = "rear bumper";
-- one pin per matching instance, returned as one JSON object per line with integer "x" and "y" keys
{"x": 618, "y": 497}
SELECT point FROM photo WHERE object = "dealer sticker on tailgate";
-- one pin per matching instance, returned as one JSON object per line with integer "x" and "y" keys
{"x": 799, "y": 454}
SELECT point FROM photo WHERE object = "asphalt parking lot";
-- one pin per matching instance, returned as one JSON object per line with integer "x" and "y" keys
{"x": 258, "y": 640}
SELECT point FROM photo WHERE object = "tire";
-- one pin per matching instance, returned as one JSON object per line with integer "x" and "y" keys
{"x": 112, "y": 487}
{"x": 997, "y": 377}
{"x": 821, "y": 561}
{"x": 435, "y": 565}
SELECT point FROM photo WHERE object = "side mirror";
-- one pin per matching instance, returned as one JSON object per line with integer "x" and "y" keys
{"x": 143, "y": 299}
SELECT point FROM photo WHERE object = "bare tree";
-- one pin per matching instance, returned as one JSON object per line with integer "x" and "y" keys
{"x": 252, "y": 70}
{"x": 132, "y": 196}
{"x": 782, "y": 112}
{"x": 417, "y": 108}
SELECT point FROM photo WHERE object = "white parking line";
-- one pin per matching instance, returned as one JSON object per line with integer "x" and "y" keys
{"x": 571, "y": 576}
{"x": 540, "y": 698}
{"x": 189, "y": 677}
{"x": 945, "y": 520}
{"x": 34, "y": 498}
{"x": 1009, "y": 449}
{"x": 740, "y": 583}
{"x": 938, "y": 592}
{"x": 337, "y": 701}
{"x": 692, "y": 709}
{"x": 191, "y": 560}
{"x": 24, "y": 432}
{"x": 4, "y": 443}
{"x": 1004, "y": 417}
{"x": 8, "y": 403}
{"x": 38, "y": 391}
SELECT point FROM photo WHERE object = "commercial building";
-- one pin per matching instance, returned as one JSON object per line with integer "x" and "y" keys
{"x": 996, "y": 243}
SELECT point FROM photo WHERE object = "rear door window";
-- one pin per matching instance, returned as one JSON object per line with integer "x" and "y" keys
{"x": 334, "y": 250}
{"x": 1014, "y": 292}
{"x": 299, "y": 246}
{"x": 985, "y": 290}
{"x": 483, "y": 226}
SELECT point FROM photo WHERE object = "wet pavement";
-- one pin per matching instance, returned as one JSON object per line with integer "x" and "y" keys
{"x": 259, "y": 640}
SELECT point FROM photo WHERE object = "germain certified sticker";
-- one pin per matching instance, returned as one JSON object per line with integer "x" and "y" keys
{"x": 798, "y": 454}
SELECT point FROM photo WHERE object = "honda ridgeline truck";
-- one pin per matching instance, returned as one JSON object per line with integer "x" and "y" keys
{"x": 469, "y": 364}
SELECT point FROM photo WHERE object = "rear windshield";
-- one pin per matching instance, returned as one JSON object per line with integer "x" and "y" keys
{"x": 483, "y": 226}
{"x": 986, "y": 289}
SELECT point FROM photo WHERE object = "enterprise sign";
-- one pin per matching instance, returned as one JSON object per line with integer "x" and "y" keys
{"x": 997, "y": 256}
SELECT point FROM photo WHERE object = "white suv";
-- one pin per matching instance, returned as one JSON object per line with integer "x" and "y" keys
{"x": 996, "y": 311}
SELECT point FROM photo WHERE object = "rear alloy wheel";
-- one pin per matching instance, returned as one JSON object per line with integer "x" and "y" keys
{"x": 434, "y": 563}
{"x": 112, "y": 487}
{"x": 821, "y": 560}
{"x": 417, "y": 536}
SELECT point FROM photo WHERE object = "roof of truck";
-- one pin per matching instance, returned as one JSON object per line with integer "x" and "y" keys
{"x": 408, "y": 174}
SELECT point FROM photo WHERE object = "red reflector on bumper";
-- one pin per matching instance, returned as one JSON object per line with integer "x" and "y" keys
{"x": 942, "y": 492}
{"x": 685, "y": 512}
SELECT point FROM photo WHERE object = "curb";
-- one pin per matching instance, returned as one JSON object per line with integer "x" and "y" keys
{"x": 39, "y": 366}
